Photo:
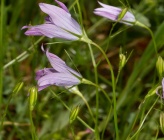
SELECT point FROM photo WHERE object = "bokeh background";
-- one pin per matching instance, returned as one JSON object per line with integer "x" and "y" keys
{"x": 50, "y": 117}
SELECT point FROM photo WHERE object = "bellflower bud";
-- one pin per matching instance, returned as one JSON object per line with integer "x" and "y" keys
{"x": 32, "y": 97}
{"x": 17, "y": 88}
{"x": 73, "y": 114}
{"x": 160, "y": 66}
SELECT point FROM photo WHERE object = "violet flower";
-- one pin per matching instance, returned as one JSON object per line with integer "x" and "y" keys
{"x": 59, "y": 75}
{"x": 58, "y": 23}
{"x": 113, "y": 14}
{"x": 157, "y": 92}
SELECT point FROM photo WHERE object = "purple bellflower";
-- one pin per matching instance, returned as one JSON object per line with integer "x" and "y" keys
{"x": 60, "y": 74}
{"x": 157, "y": 92}
{"x": 113, "y": 14}
{"x": 58, "y": 23}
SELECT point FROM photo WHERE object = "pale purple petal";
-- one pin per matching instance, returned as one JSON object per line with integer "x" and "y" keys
{"x": 61, "y": 18}
{"x": 113, "y": 13}
{"x": 62, "y": 5}
{"x": 59, "y": 75}
{"x": 50, "y": 31}
{"x": 59, "y": 65}
{"x": 58, "y": 79}
{"x": 58, "y": 23}
{"x": 107, "y": 14}
{"x": 129, "y": 17}
{"x": 74, "y": 72}
{"x": 159, "y": 88}
{"x": 111, "y": 8}
{"x": 163, "y": 86}
{"x": 43, "y": 72}
{"x": 43, "y": 87}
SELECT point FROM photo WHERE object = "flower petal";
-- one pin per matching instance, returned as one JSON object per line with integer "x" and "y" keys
{"x": 113, "y": 13}
{"x": 42, "y": 87}
{"x": 61, "y": 18}
{"x": 110, "y": 8}
{"x": 163, "y": 87}
{"x": 58, "y": 79}
{"x": 107, "y": 14}
{"x": 62, "y": 5}
{"x": 50, "y": 31}
{"x": 59, "y": 65}
{"x": 43, "y": 72}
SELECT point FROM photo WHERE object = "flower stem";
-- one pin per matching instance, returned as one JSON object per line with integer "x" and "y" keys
{"x": 5, "y": 112}
{"x": 84, "y": 123}
{"x": 85, "y": 81}
{"x": 87, "y": 40}
{"x": 151, "y": 33}
{"x": 77, "y": 92}
{"x": 72, "y": 131}
{"x": 32, "y": 127}
{"x": 97, "y": 94}
{"x": 113, "y": 89}
{"x": 139, "y": 129}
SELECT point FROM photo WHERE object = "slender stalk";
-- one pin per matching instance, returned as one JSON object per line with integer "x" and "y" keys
{"x": 106, "y": 123}
{"x": 77, "y": 92}
{"x": 80, "y": 14}
{"x": 72, "y": 131}
{"x": 113, "y": 85}
{"x": 140, "y": 127}
{"x": 97, "y": 94}
{"x": 113, "y": 88}
{"x": 151, "y": 33}
{"x": 85, "y": 81}
{"x": 5, "y": 112}
{"x": 95, "y": 72}
{"x": 84, "y": 123}
{"x": 32, "y": 125}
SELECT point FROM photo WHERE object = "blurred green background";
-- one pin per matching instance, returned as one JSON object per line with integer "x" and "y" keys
{"x": 50, "y": 116}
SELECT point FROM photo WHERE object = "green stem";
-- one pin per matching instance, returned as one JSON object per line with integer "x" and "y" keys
{"x": 77, "y": 92}
{"x": 113, "y": 89}
{"x": 80, "y": 14}
{"x": 97, "y": 94}
{"x": 139, "y": 129}
{"x": 106, "y": 123}
{"x": 84, "y": 123}
{"x": 85, "y": 81}
{"x": 5, "y": 112}
{"x": 72, "y": 131}
{"x": 32, "y": 127}
{"x": 23, "y": 55}
{"x": 151, "y": 33}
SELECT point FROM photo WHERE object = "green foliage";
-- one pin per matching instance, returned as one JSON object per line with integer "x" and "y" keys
{"x": 138, "y": 109}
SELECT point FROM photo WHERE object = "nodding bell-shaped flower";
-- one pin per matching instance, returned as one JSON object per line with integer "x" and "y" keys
{"x": 60, "y": 74}
{"x": 115, "y": 14}
{"x": 58, "y": 23}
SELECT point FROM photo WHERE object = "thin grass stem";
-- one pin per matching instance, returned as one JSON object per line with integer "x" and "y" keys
{"x": 23, "y": 55}
{"x": 142, "y": 122}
